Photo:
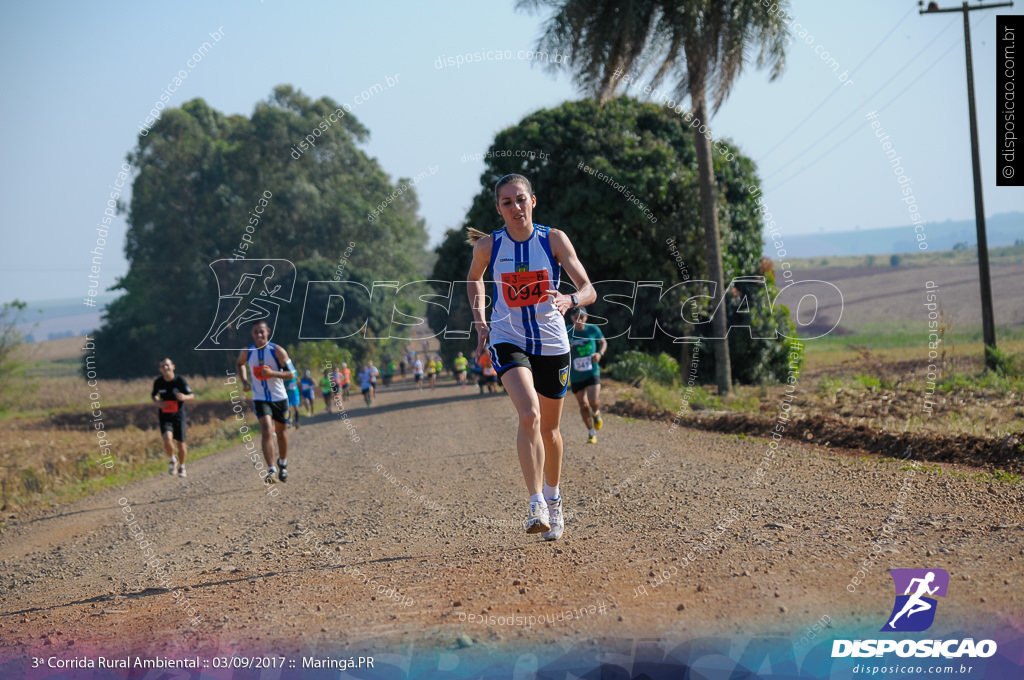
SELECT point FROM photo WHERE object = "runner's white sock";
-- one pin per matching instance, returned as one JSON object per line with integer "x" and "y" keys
{"x": 592, "y": 432}
{"x": 551, "y": 492}
{"x": 538, "y": 498}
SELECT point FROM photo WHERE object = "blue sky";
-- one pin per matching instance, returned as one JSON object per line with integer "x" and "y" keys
{"x": 79, "y": 77}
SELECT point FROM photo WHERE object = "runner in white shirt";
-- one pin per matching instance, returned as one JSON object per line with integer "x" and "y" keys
{"x": 529, "y": 345}
{"x": 270, "y": 367}
{"x": 417, "y": 372}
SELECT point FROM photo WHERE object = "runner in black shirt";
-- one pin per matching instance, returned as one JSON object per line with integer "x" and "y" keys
{"x": 172, "y": 391}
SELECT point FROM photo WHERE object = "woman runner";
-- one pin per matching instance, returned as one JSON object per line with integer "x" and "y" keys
{"x": 345, "y": 379}
{"x": 488, "y": 376}
{"x": 461, "y": 364}
{"x": 528, "y": 337}
{"x": 431, "y": 372}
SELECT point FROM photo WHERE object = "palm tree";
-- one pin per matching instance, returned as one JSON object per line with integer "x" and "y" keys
{"x": 702, "y": 45}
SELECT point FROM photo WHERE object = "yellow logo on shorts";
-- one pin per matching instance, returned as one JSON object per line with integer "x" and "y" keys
{"x": 563, "y": 375}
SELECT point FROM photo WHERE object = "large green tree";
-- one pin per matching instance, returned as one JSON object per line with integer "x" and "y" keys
{"x": 701, "y": 46}
{"x": 648, "y": 151}
{"x": 200, "y": 173}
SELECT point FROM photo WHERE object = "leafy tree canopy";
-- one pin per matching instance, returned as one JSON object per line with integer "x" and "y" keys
{"x": 201, "y": 173}
{"x": 648, "y": 150}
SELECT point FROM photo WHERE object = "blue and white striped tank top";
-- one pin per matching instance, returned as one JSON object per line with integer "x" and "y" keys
{"x": 271, "y": 389}
{"x": 523, "y": 313}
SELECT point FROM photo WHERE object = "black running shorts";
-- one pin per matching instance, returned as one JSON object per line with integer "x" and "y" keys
{"x": 550, "y": 373}
{"x": 277, "y": 410}
{"x": 175, "y": 424}
{"x": 584, "y": 384}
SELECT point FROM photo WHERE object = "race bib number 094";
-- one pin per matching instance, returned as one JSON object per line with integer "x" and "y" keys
{"x": 521, "y": 289}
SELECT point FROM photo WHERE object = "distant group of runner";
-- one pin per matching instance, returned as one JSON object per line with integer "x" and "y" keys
{"x": 537, "y": 346}
{"x": 478, "y": 364}
{"x": 279, "y": 397}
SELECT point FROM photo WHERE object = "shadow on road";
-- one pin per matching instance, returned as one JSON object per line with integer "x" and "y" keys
{"x": 356, "y": 408}
{"x": 150, "y": 592}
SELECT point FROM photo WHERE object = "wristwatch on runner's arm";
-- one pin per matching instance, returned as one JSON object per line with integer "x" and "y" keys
{"x": 575, "y": 300}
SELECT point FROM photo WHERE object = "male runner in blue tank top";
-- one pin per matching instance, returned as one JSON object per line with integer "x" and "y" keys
{"x": 529, "y": 345}
{"x": 270, "y": 367}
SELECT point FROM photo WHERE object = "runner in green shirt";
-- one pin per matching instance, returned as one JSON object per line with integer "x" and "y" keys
{"x": 461, "y": 364}
{"x": 434, "y": 368}
{"x": 325, "y": 389}
{"x": 588, "y": 348}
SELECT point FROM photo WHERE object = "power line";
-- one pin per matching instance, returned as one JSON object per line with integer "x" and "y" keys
{"x": 880, "y": 108}
{"x": 869, "y": 97}
{"x": 839, "y": 87}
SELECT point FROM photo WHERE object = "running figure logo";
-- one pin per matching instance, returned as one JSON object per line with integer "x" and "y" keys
{"x": 259, "y": 289}
{"x": 914, "y": 610}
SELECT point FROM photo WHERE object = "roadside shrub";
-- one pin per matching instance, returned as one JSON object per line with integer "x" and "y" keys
{"x": 1004, "y": 363}
{"x": 636, "y": 367}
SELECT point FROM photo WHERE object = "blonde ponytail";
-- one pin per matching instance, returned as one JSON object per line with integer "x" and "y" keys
{"x": 474, "y": 235}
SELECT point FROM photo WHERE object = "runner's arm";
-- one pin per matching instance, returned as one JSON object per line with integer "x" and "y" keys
{"x": 283, "y": 360}
{"x": 186, "y": 395}
{"x": 563, "y": 251}
{"x": 242, "y": 366}
{"x": 477, "y": 291}
{"x": 602, "y": 344}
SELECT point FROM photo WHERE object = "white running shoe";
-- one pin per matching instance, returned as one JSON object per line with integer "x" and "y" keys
{"x": 538, "y": 519}
{"x": 181, "y": 471}
{"x": 557, "y": 520}
{"x": 172, "y": 467}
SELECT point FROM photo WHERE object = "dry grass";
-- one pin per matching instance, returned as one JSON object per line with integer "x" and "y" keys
{"x": 1004, "y": 255}
{"x": 959, "y": 357}
{"x": 47, "y": 456}
{"x": 50, "y": 350}
{"x": 39, "y": 463}
{"x": 885, "y": 391}
{"x": 35, "y": 397}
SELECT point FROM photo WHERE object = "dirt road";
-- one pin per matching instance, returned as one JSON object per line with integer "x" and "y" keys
{"x": 396, "y": 540}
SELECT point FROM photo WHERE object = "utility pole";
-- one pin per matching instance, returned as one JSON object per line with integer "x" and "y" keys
{"x": 988, "y": 324}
